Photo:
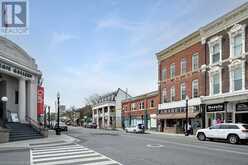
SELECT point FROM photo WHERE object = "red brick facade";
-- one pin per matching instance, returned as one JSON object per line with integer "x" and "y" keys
{"x": 188, "y": 77}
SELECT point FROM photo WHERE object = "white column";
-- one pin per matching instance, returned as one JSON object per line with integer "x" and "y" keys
{"x": 93, "y": 115}
{"x": 22, "y": 100}
{"x": 103, "y": 118}
{"x": 97, "y": 118}
{"x": 109, "y": 116}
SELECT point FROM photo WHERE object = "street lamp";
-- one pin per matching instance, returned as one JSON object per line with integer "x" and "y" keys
{"x": 58, "y": 128}
{"x": 4, "y": 99}
{"x": 187, "y": 116}
{"x": 49, "y": 117}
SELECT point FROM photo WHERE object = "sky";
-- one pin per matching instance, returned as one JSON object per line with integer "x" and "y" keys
{"x": 86, "y": 47}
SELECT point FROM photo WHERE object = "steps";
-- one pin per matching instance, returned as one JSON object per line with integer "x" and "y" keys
{"x": 20, "y": 131}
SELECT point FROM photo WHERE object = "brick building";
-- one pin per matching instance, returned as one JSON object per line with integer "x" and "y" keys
{"x": 225, "y": 43}
{"x": 141, "y": 109}
{"x": 180, "y": 78}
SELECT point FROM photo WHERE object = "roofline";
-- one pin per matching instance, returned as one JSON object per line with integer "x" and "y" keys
{"x": 139, "y": 97}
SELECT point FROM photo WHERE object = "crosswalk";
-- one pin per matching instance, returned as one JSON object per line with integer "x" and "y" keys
{"x": 62, "y": 153}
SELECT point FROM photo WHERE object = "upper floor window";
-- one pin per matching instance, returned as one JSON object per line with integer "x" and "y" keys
{"x": 172, "y": 71}
{"x": 237, "y": 45}
{"x": 141, "y": 105}
{"x": 183, "y": 91}
{"x": 133, "y": 106}
{"x": 195, "y": 62}
{"x": 152, "y": 104}
{"x": 237, "y": 77}
{"x": 164, "y": 96}
{"x": 195, "y": 88}
{"x": 173, "y": 93}
{"x": 183, "y": 66}
{"x": 216, "y": 83}
{"x": 237, "y": 40}
{"x": 163, "y": 73}
{"x": 216, "y": 53}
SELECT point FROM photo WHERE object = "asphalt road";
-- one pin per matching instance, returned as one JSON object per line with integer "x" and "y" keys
{"x": 151, "y": 149}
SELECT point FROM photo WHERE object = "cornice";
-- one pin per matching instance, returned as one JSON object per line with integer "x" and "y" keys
{"x": 235, "y": 16}
{"x": 185, "y": 43}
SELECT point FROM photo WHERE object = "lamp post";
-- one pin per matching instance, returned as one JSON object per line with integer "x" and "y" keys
{"x": 187, "y": 116}
{"x": 58, "y": 128}
{"x": 4, "y": 100}
{"x": 45, "y": 124}
{"x": 49, "y": 117}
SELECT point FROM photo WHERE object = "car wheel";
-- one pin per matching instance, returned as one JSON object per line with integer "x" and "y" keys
{"x": 233, "y": 139}
{"x": 126, "y": 131}
{"x": 201, "y": 136}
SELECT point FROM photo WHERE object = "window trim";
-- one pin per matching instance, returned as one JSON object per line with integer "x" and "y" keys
{"x": 174, "y": 92}
{"x": 211, "y": 73}
{"x": 236, "y": 30}
{"x": 163, "y": 74}
{"x": 193, "y": 81}
{"x": 183, "y": 61}
{"x": 172, "y": 77}
{"x": 195, "y": 55}
{"x": 182, "y": 83}
{"x": 211, "y": 43}
{"x": 235, "y": 64}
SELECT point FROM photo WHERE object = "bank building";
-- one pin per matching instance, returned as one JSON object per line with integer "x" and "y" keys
{"x": 19, "y": 84}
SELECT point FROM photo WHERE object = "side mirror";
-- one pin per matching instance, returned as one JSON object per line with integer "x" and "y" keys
{"x": 209, "y": 128}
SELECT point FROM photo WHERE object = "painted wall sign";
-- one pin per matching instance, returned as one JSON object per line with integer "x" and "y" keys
{"x": 242, "y": 106}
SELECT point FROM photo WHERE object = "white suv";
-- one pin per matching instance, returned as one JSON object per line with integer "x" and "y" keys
{"x": 233, "y": 133}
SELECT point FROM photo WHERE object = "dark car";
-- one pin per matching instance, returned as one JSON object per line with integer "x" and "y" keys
{"x": 91, "y": 125}
{"x": 62, "y": 127}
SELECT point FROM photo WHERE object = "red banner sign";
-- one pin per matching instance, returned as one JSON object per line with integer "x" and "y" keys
{"x": 40, "y": 101}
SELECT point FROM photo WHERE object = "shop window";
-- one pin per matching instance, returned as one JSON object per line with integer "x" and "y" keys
{"x": 229, "y": 117}
{"x": 195, "y": 62}
{"x": 183, "y": 66}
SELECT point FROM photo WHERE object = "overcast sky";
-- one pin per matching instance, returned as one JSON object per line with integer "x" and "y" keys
{"x": 85, "y": 47}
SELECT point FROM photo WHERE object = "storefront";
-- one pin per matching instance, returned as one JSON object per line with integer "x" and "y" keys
{"x": 241, "y": 114}
{"x": 215, "y": 114}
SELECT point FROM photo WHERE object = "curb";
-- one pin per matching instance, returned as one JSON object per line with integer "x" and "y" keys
{"x": 11, "y": 149}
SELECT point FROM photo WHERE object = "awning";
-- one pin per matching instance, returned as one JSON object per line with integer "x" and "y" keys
{"x": 177, "y": 115}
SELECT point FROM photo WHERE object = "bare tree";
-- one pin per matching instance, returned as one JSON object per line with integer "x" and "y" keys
{"x": 92, "y": 100}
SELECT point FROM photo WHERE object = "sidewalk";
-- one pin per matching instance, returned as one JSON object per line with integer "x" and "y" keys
{"x": 24, "y": 144}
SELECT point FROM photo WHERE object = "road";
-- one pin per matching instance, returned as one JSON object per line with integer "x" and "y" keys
{"x": 154, "y": 149}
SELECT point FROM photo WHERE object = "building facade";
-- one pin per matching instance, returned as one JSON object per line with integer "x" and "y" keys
{"x": 225, "y": 41}
{"x": 141, "y": 109}
{"x": 180, "y": 79}
{"x": 19, "y": 82}
{"x": 106, "y": 113}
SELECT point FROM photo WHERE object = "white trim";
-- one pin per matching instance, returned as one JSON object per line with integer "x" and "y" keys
{"x": 213, "y": 41}
{"x": 236, "y": 30}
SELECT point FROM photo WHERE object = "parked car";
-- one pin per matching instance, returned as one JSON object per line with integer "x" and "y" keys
{"x": 140, "y": 128}
{"x": 91, "y": 125}
{"x": 233, "y": 133}
{"x": 62, "y": 126}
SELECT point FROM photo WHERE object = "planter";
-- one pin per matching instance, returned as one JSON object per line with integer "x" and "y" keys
{"x": 44, "y": 132}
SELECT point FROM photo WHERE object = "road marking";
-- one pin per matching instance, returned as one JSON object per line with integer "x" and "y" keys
{"x": 155, "y": 145}
{"x": 189, "y": 145}
{"x": 70, "y": 153}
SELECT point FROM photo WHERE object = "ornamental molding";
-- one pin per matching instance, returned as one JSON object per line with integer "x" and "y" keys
{"x": 224, "y": 22}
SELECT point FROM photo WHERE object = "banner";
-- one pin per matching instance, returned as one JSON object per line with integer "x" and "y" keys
{"x": 40, "y": 101}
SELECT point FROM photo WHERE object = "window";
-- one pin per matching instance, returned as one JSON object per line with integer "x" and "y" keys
{"x": 16, "y": 97}
{"x": 216, "y": 53}
{"x": 194, "y": 88}
{"x": 133, "y": 106}
{"x": 237, "y": 79}
{"x": 163, "y": 73}
{"x": 172, "y": 71}
{"x": 164, "y": 96}
{"x": 237, "y": 45}
{"x": 152, "y": 103}
{"x": 172, "y": 94}
{"x": 195, "y": 60}
{"x": 141, "y": 105}
{"x": 215, "y": 127}
{"x": 183, "y": 91}
{"x": 183, "y": 66}
{"x": 216, "y": 83}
